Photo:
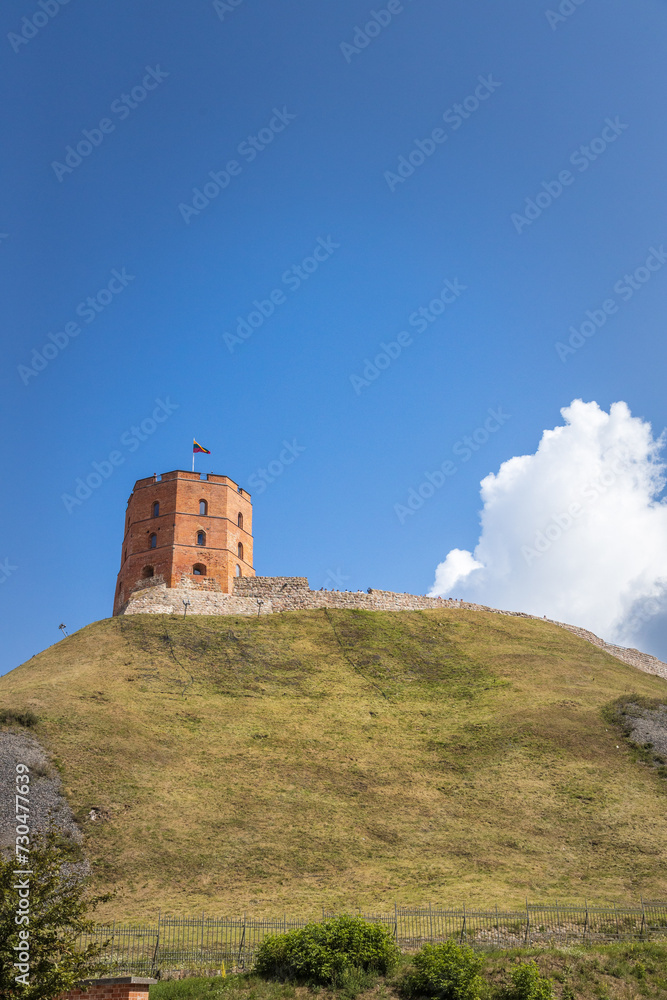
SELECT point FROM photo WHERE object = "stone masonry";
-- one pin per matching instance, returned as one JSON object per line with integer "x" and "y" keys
{"x": 292, "y": 593}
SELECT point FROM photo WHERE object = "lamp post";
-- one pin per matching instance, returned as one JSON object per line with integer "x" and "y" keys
{"x": 186, "y": 605}
{"x": 259, "y": 606}
{"x": 63, "y": 629}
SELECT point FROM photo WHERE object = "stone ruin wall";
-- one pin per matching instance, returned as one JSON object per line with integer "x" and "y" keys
{"x": 292, "y": 593}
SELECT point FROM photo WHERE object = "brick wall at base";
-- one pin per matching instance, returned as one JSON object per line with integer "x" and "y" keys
{"x": 124, "y": 988}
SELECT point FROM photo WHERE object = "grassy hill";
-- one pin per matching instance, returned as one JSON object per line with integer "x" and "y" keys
{"x": 347, "y": 758}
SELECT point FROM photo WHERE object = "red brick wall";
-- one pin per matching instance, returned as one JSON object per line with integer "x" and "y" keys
{"x": 109, "y": 991}
{"x": 176, "y": 528}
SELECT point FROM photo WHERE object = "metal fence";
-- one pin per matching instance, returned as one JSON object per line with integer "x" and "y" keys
{"x": 202, "y": 944}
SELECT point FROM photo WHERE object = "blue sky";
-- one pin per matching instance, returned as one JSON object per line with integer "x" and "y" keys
{"x": 333, "y": 122}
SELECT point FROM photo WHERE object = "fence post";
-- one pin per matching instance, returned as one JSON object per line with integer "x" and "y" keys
{"x": 157, "y": 944}
{"x": 527, "y": 923}
{"x": 586, "y": 921}
{"x": 113, "y": 935}
{"x": 395, "y": 923}
{"x": 242, "y": 941}
{"x": 430, "y": 922}
{"x": 641, "y": 932}
{"x": 497, "y": 926}
{"x": 463, "y": 928}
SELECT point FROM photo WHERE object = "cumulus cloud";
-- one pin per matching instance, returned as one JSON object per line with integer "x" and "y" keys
{"x": 576, "y": 532}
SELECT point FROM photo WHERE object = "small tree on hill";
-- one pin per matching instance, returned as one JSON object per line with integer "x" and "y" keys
{"x": 39, "y": 958}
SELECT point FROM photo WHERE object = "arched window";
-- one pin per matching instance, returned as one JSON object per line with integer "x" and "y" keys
{"x": 156, "y": 509}
{"x": 240, "y": 550}
{"x": 238, "y": 571}
{"x": 203, "y": 508}
{"x": 240, "y": 520}
{"x": 201, "y": 538}
{"x": 199, "y": 569}
{"x": 147, "y": 572}
{"x": 153, "y": 541}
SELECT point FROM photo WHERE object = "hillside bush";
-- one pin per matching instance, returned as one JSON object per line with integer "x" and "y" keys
{"x": 9, "y": 716}
{"x": 528, "y": 984}
{"x": 445, "y": 972}
{"x": 328, "y": 953}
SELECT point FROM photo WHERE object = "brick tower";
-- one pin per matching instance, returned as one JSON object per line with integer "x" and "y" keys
{"x": 183, "y": 528}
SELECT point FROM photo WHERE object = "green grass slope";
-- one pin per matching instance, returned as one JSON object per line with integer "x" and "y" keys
{"x": 347, "y": 758}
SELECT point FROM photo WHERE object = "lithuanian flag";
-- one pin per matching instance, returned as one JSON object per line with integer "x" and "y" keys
{"x": 197, "y": 448}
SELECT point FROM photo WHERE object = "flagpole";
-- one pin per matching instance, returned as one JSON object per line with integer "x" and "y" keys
{"x": 193, "y": 456}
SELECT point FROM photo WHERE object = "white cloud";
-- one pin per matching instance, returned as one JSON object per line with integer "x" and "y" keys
{"x": 576, "y": 532}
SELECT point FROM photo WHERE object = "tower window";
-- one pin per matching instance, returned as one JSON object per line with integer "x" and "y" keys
{"x": 203, "y": 507}
{"x": 201, "y": 538}
{"x": 238, "y": 571}
{"x": 147, "y": 572}
{"x": 240, "y": 520}
{"x": 156, "y": 509}
{"x": 199, "y": 569}
{"x": 153, "y": 541}
{"x": 240, "y": 550}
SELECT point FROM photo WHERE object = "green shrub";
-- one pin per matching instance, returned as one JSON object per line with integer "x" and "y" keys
{"x": 445, "y": 972}
{"x": 328, "y": 953}
{"x": 9, "y": 716}
{"x": 528, "y": 984}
